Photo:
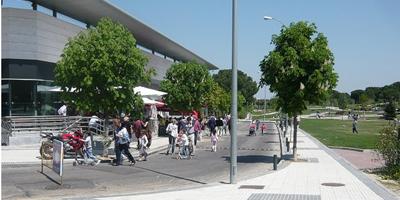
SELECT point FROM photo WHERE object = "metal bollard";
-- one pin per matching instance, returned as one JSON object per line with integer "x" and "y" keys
{"x": 275, "y": 162}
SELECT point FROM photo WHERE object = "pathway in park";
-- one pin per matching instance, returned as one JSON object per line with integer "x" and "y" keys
{"x": 319, "y": 173}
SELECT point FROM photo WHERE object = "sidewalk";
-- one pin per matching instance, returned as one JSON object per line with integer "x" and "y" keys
{"x": 29, "y": 154}
{"x": 300, "y": 180}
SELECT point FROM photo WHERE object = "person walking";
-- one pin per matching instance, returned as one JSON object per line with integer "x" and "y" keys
{"x": 191, "y": 136}
{"x": 183, "y": 143}
{"x": 211, "y": 124}
{"x": 197, "y": 130}
{"x": 355, "y": 126}
{"x": 214, "y": 141}
{"x": 121, "y": 137}
{"x": 137, "y": 129}
{"x": 172, "y": 131}
{"x": 143, "y": 142}
{"x": 88, "y": 150}
{"x": 147, "y": 131}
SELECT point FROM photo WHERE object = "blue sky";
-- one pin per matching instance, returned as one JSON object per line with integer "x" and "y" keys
{"x": 364, "y": 35}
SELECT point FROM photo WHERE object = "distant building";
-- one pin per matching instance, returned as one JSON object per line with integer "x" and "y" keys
{"x": 32, "y": 43}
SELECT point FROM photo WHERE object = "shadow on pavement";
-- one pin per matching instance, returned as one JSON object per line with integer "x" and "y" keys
{"x": 171, "y": 175}
{"x": 251, "y": 159}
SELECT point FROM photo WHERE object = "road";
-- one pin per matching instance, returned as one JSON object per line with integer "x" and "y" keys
{"x": 160, "y": 172}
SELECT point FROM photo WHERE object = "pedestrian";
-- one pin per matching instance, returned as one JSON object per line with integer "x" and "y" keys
{"x": 224, "y": 125}
{"x": 219, "y": 125}
{"x": 121, "y": 138}
{"x": 183, "y": 143}
{"x": 88, "y": 150}
{"x": 355, "y": 126}
{"x": 191, "y": 136}
{"x": 197, "y": 130}
{"x": 137, "y": 129}
{"x": 211, "y": 124}
{"x": 63, "y": 110}
{"x": 127, "y": 124}
{"x": 172, "y": 132}
{"x": 229, "y": 123}
{"x": 214, "y": 141}
{"x": 143, "y": 142}
{"x": 148, "y": 132}
{"x": 263, "y": 128}
{"x": 257, "y": 124}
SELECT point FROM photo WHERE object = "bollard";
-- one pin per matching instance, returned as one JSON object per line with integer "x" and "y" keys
{"x": 275, "y": 162}
{"x": 287, "y": 145}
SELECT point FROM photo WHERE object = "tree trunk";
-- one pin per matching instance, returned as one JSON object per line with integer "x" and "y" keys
{"x": 295, "y": 137}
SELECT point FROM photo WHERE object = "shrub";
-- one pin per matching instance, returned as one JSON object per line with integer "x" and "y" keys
{"x": 389, "y": 147}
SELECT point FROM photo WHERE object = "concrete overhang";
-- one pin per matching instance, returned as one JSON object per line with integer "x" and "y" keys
{"x": 91, "y": 11}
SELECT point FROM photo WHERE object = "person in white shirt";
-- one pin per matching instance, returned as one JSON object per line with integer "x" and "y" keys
{"x": 63, "y": 110}
{"x": 172, "y": 131}
{"x": 143, "y": 141}
{"x": 89, "y": 150}
{"x": 183, "y": 142}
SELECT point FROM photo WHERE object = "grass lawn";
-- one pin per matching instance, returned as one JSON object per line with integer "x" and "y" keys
{"x": 339, "y": 132}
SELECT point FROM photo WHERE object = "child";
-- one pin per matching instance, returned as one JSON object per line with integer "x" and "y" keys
{"x": 143, "y": 141}
{"x": 88, "y": 150}
{"x": 214, "y": 140}
{"x": 183, "y": 142}
{"x": 263, "y": 128}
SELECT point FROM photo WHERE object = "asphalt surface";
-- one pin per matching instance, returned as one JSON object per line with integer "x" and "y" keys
{"x": 160, "y": 172}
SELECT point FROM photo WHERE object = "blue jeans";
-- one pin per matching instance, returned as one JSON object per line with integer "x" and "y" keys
{"x": 89, "y": 154}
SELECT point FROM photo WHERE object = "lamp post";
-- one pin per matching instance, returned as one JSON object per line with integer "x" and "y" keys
{"x": 233, "y": 121}
{"x": 272, "y": 18}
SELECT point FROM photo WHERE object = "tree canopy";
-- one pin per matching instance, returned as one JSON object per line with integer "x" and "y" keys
{"x": 246, "y": 85}
{"x": 300, "y": 68}
{"x": 187, "y": 85}
{"x": 99, "y": 68}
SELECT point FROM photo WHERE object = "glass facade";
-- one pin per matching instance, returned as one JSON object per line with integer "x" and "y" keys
{"x": 29, "y": 98}
{"x": 27, "y": 88}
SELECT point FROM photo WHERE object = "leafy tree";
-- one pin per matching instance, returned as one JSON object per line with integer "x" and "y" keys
{"x": 187, "y": 85}
{"x": 356, "y": 95}
{"x": 390, "y": 111}
{"x": 218, "y": 99}
{"x": 299, "y": 70}
{"x": 99, "y": 68}
{"x": 246, "y": 85}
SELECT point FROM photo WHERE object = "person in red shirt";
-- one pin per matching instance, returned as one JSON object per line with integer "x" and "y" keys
{"x": 263, "y": 128}
{"x": 137, "y": 128}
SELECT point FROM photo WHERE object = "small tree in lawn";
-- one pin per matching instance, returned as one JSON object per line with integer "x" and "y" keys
{"x": 99, "y": 68}
{"x": 390, "y": 111}
{"x": 187, "y": 85}
{"x": 299, "y": 70}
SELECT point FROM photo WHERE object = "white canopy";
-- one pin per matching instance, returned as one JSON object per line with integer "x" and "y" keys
{"x": 151, "y": 102}
{"x": 147, "y": 92}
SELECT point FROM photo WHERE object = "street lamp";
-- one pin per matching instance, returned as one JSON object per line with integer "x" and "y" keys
{"x": 272, "y": 18}
{"x": 233, "y": 121}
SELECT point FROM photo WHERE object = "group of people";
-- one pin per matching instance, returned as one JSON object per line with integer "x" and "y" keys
{"x": 124, "y": 131}
{"x": 186, "y": 131}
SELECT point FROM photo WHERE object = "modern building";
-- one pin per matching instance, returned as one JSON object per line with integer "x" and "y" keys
{"x": 32, "y": 42}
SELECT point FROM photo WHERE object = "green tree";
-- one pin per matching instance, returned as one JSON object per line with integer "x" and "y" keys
{"x": 99, "y": 68}
{"x": 299, "y": 70}
{"x": 356, "y": 95}
{"x": 246, "y": 85}
{"x": 390, "y": 110}
{"x": 187, "y": 85}
{"x": 218, "y": 100}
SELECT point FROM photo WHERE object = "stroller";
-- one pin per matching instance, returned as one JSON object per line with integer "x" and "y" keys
{"x": 252, "y": 130}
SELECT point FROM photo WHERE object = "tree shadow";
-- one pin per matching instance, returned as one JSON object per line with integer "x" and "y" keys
{"x": 251, "y": 159}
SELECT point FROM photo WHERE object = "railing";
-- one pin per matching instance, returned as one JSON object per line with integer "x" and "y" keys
{"x": 37, "y": 124}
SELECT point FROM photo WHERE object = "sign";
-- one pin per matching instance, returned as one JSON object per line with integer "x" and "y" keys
{"x": 58, "y": 157}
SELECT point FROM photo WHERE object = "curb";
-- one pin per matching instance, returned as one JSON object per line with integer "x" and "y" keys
{"x": 347, "y": 148}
